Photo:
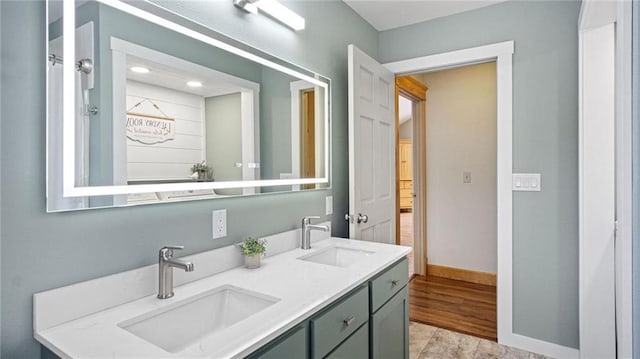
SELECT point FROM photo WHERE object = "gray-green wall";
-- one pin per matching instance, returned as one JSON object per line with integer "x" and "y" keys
{"x": 224, "y": 138}
{"x": 275, "y": 124}
{"x": 42, "y": 251}
{"x": 545, "y": 140}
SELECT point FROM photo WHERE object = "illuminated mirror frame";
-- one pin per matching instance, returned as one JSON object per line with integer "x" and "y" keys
{"x": 69, "y": 188}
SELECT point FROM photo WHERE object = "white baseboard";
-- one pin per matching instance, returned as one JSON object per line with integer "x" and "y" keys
{"x": 539, "y": 346}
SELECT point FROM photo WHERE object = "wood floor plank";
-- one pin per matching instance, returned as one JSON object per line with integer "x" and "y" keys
{"x": 464, "y": 307}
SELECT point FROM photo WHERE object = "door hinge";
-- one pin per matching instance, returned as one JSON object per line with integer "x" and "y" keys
{"x": 616, "y": 228}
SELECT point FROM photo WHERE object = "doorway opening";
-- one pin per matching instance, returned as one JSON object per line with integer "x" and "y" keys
{"x": 451, "y": 137}
{"x": 411, "y": 180}
{"x": 307, "y": 136}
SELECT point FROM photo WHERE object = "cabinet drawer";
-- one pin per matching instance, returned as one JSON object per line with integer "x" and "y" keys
{"x": 406, "y": 202}
{"x": 291, "y": 345}
{"x": 388, "y": 283}
{"x": 406, "y": 184}
{"x": 334, "y": 325}
{"x": 356, "y": 347}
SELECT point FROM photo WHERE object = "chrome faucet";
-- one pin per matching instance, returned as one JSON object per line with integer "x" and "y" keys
{"x": 307, "y": 227}
{"x": 166, "y": 262}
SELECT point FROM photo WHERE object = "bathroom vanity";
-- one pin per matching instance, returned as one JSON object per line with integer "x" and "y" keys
{"x": 340, "y": 299}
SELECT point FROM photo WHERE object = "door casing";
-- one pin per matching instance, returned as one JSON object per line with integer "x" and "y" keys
{"x": 594, "y": 14}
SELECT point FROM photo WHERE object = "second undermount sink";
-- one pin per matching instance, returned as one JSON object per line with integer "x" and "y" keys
{"x": 177, "y": 326}
{"x": 337, "y": 256}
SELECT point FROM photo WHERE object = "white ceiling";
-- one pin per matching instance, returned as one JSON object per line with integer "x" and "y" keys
{"x": 390, "y": 14}
{"x": 173, "y": 78}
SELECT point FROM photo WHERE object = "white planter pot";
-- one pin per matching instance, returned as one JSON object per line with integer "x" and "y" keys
{"x": 252, "y": 262}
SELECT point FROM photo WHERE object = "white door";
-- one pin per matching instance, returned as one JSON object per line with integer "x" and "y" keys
{"x": 597, "y": 193}
{"x": 372, "y": 190}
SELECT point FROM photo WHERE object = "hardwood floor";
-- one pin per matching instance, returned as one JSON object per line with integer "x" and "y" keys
{"x": 463, "y": 307}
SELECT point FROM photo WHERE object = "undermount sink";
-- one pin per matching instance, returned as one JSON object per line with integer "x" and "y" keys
{"x": 337, "y": 256}
{"x": 180, "y": 325}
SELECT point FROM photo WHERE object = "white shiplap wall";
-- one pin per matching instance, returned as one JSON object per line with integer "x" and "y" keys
{"x": 171, "y": 159}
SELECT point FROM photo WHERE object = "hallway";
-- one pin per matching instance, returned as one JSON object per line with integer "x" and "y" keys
{"x": 406, "y": 237}
{"x": 451, "y": 304}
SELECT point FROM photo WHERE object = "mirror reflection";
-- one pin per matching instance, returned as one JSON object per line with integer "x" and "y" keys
{"x": 154, "y": 106}
{"x": 186, "y": 122}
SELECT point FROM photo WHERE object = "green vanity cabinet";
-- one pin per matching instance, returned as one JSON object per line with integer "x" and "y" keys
{"x": 45, "y": 353}
{"x": 356, "y": 347}
{"x": 390, "y": 329}
{"x": 389, "y": 305}
{"x": 290, "y": 345}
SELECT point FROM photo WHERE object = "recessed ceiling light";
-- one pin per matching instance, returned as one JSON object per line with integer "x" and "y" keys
{"x": 194, "y": 84}
{"x": 140, "y": 69}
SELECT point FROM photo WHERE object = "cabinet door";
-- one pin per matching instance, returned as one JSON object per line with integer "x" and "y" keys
{"x": 356, "y": 347}
{"x": 291, "y": 345}
{"x": 390, "y": 328}
{"x": 406, "y": 160}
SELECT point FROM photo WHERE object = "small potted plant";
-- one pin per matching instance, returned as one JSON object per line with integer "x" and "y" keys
{"x": 253, "y": 249}
{"x": 201, "y": 169}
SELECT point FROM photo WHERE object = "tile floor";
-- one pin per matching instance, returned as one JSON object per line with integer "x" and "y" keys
{"x": 428, "y": 342}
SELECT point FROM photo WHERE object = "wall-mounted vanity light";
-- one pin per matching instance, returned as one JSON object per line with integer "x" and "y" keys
{"x": 140, "y": 69}
{"x": 274, "y": 9}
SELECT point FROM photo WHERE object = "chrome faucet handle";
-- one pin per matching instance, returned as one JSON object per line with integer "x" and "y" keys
{"x": 307, "y": 219}
{"x": 167, "y": 251}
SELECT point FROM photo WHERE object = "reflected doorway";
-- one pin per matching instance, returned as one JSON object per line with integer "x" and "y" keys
{"x": 405, "y": 175}
{"x": 307, "y": 136}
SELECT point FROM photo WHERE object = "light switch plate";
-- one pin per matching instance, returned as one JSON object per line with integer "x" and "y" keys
{"x": 466, "y": 177}
{"x": 526, "y": 182}
{"x": 219, "y": 223}
{"x": 328, "y": 205}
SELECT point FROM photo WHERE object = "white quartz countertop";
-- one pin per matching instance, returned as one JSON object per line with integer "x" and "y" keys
{"x": 303, "y": 288}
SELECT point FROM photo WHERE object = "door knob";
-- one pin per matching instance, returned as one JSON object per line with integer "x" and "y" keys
{"x": 363, "y": 218}
{"x": 348, "y": 217}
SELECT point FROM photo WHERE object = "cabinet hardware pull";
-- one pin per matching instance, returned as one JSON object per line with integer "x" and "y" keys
{"x": 395, "y": 282}
{"x": 348, "y": 320}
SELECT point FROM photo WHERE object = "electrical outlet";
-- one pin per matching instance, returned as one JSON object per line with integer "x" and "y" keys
{"x": 219, "y": 223}
{"x": 328, "y": 205}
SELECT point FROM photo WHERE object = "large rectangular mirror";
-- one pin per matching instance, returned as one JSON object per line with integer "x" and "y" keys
{"x": 161, "y": 109}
